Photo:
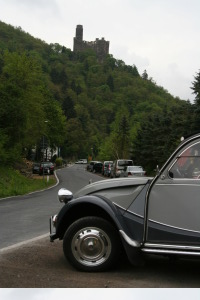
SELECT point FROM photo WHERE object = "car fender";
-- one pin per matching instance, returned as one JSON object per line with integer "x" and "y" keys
{"x": 102, "y": 207}
{"x": 85, "y": 206}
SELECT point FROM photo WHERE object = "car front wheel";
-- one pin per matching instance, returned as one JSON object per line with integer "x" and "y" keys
{"x": 91, "y": 244}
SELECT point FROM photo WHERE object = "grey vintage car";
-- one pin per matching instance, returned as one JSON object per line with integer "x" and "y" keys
{"x": 135, "y": 216}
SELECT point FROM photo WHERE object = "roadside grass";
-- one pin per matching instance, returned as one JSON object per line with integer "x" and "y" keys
{"x": 12, "y": 183}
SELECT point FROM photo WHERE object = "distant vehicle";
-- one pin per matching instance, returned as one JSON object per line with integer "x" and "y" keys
{"x": 81, "y": 161}
{"x": 46, "y": 168}
{"x": 36, "y": 168}
{"x": 97, "y": 168}
{"x": 108, "y": 169}
{"x": 91, "y": 164}
{"x": 119, "y": 166}
{"x": 105, "y": 166}
{"x": 134, "y": 171}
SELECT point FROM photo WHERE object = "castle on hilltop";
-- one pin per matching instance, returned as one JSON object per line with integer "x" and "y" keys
{"x": 101, "y": 47}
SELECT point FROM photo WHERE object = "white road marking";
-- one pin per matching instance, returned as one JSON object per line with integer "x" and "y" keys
{"x": 18, "y": 245}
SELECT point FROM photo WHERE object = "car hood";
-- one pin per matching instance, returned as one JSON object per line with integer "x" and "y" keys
{"x": 121, "y": 191}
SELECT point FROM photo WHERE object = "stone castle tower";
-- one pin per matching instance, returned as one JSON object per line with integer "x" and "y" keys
{"x": 101, "y": 47}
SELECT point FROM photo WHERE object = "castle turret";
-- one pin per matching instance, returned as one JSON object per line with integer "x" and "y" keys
{"x": 101, "y": 47}
{"x": 79, "y": 32}
{"x": 78, "y": 39}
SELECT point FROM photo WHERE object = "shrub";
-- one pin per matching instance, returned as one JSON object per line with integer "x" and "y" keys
{"x": 58, "y": 161}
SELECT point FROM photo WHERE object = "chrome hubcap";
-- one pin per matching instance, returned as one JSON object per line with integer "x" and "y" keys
{"x": 91, "y": 246}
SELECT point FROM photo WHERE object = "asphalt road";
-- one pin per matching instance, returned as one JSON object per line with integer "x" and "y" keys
{"x": 26, "y": 217}
{"x": 41, "y": 264}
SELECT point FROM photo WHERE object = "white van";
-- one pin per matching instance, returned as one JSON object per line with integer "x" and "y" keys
{"x": 119, "y": 167}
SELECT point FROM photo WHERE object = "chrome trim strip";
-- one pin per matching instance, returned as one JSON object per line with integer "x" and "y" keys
{"x": 129, "y": 241}
{"x": 154, "y": 251}
{"x": 119, "y": 206}
{"x": 137, "y": 215}
{"x": 184, "y": 184}
{"x": 174, "y": 227}
{"x": 185, "y": 247}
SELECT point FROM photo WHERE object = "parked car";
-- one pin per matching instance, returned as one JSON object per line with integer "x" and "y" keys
{"x": 141, "y": 215}
{"x": 97, "y": 167}
{"x": 108, "y": 169}
{"x": 134, "y": 171}
{"x": 105, "y": 166}
{"x": 119, "y": 166}
{"x": 91, "y": 165}
{"x": 36, "y": 168}
{"x": 46, "y": 168}
{"x": 79, "y": 162}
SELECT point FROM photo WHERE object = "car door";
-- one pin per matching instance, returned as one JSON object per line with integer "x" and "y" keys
{"x": 173, "y": 207}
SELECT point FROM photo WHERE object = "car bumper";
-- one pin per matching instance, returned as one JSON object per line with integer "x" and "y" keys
{"x": 52, "y": 224}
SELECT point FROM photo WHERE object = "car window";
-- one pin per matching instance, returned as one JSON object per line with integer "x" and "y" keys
{"x": 187, "y": 165}
{"x": 122, "y": 163}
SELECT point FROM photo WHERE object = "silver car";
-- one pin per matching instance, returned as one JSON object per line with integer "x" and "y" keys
{"x": 134, "y": 171}
{"x": 140, "y": 215}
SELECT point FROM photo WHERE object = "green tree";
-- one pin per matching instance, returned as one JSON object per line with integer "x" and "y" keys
{"x": 25, "y": 104}
{"x": 196, "y": 88}
{"x": 56, "y": 122}
{"x": 159, "y": 134}
{"x": 124, "y": 137}
{"x": 118, "y": 144}
{"x": 21, "y": 102}
{"x": 110, "y": 82}
{"x": 145, "y": 75}
{"x": 196, "y": 91}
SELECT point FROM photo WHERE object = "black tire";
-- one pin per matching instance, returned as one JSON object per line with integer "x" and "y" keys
{"x": 92, "y": 244}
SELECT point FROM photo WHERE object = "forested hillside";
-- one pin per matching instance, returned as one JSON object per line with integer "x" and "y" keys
{"x": 108, "y": 110}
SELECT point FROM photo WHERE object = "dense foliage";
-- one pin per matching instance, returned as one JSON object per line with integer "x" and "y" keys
{"x": 103, "y": 110}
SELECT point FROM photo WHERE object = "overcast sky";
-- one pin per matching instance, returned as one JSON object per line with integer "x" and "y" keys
{"x": 160, "y": 36}
{"x": 99, "y": 294}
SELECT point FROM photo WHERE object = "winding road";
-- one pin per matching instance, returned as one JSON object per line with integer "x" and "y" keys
{"x": 26, "y": 217}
